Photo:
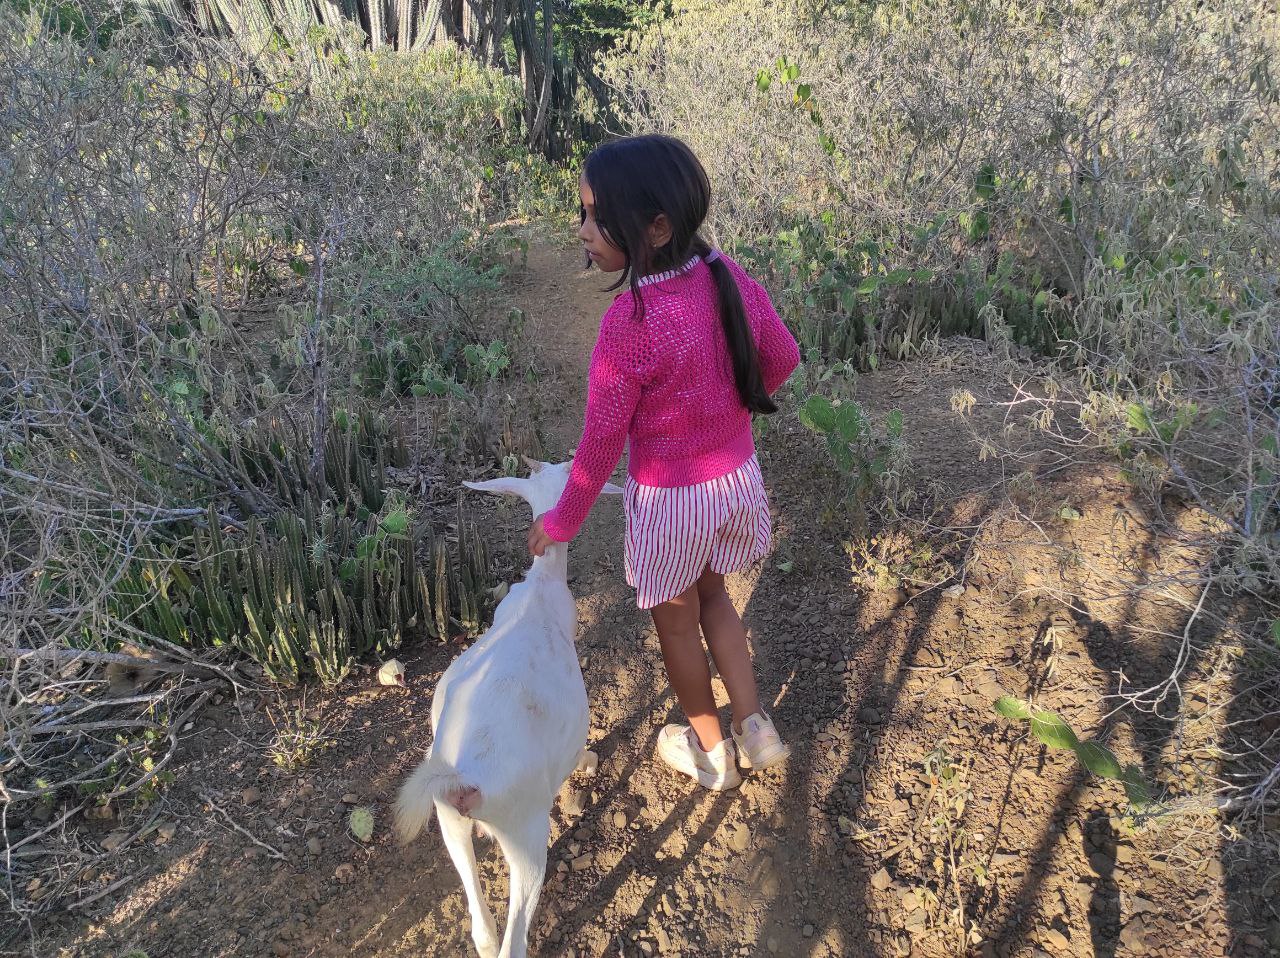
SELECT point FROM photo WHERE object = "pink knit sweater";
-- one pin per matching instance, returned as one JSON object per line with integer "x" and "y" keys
{"x": 665, "y": 383}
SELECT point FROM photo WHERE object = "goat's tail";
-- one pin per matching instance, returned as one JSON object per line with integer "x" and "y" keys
{"x": 430, "y": 782}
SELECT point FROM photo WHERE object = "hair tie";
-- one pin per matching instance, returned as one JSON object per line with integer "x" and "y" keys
{"x": 711, "y": 257}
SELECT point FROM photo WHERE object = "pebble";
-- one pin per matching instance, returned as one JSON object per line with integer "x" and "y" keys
{"x": 740, "y": 838}
{"x": 345, "y": 873}
{"x": 581, "y": 862}
{"x": 575, "y": 802}
{"x": 807, "y": 931}
{"x": 1056, "y": 940}
{"x": 350, "y": 798}
{"x": 881, "y": 880}
{"x": 619, "y": 819}
{"x": 250, "y": 795}
{"x": 113, "y": 841}
{"x": 313, "y": 846}
{"x": 166, "y": 831}
{"x": 868, "y": 716}
{"x": 1134, "y": 936}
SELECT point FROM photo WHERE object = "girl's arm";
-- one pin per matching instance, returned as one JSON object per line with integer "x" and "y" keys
{"x": 779, "y": 353}
{"x": 613, "y": 390}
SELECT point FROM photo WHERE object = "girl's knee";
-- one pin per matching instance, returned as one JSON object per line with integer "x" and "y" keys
{"x": 710, "y": 585}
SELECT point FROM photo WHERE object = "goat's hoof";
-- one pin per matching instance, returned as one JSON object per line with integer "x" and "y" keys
{"x": 588, "y": 762}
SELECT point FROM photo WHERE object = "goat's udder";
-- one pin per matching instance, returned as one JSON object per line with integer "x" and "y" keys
{"x": 466, "y": 799}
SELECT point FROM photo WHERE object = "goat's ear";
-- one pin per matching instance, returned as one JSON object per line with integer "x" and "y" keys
{"x": 535, "y": 467}
{"x": 507, "y": 486}
{"x": 611, "y": 489}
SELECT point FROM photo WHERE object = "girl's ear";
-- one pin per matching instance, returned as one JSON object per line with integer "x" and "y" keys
{"x": 660, "y": 231}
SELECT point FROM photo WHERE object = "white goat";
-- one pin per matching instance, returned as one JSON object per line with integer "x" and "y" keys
{"x": 509, "y": 726}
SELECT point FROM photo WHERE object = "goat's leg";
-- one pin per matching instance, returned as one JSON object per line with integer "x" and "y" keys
{"x": 457, "y": 839}
{"x": 526, "y": 851}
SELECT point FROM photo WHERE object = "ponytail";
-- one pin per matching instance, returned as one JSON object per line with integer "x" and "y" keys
{"x": 737, "y": 333}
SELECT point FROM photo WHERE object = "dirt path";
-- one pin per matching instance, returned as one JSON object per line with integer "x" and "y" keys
{"x": 902, "y": 782}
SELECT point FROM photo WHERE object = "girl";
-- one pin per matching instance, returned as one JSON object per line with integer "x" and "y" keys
{"x": 684, "y": 359}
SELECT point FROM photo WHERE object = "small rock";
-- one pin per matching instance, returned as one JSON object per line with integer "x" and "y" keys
{"x": 807, "y": 931}
{"x": 345, "y": 873}
{"x": 916, "y": 922}
{"x": 250, "y": 795}
{"x": 350, "y": 798}
{"x": 280, "y": 949}
{"x": 313, "y": 846}
{"x": 881, "y": 880}
{"x": 575, "y": 802}
{"x": 1056, "y": 940}
{"x": 740, "y": 838}
{"x": 166, "y": 831}
{"x": 1001, "y": 860}
{"x": 1134, "y": 936}
{"x": 113, "y": 841}
{"x": 868, "y": 716}
{"x": 581, "y": 862}
{"x": 1124, "y": 854}
{"x": 619, "y": 819}
{"x": 772, "y": 945}
{"x": 1101, "y": 863}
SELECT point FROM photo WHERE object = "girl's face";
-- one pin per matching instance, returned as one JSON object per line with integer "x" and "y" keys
{"x": 600, "y": 251}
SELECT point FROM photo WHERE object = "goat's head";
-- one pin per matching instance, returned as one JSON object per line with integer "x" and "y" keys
{"x": 541, "y": 490}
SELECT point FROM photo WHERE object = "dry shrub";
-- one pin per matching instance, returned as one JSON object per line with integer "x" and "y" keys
{"x": 1097, "y": 182}
{"x": 211, "y": 265}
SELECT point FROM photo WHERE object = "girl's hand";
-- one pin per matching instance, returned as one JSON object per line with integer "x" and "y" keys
{"x": 538, "y": 538}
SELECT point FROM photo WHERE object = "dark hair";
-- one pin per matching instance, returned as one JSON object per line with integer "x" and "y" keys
{"x": 634, "y": 180}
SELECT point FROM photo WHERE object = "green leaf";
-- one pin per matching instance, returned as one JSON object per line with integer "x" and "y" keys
{"x": 841, "y": 454}
{"x": 1041, "y": 299}
{"x": 984, "y": 184}
{"x": 786, "y": 566}
{"x": 1098, "y": 759}
{"x": 870, "y": 285}
{"x": 1012, "y": 708}
{"x": 1138, "y": 418}
{"x": 366, "y": 547}
{"x": 1069, "y": 514}
{"x": 1067, "y": 210}
{"x": 361, "y": 822}
{"x": 979, "y": 226}
{"x": 803, "y": 92}
{"x": 850, "y": 423}
{"x": 419, "y": 390}
{"x": 1135, "y": 787}
{"x": 1050, "y": 729}
{"x": 396, "y": 523}
{"x": 895, "y": 424}
{"x": 1275, "y": 632}
{"x": 764, "y": 80}
{"x": 818, "y": 414}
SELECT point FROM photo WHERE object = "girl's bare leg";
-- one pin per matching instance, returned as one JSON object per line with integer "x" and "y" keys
{"x": 686, "y": 663}
{"x": 727, "y": 640}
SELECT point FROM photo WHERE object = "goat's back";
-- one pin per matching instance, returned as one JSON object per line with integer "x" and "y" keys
{"x": 510, "y": 713}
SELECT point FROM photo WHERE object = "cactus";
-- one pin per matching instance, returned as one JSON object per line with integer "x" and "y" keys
{"x": 323, "y": 580}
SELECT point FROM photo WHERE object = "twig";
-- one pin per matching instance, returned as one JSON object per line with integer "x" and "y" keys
{"x": 83, "y": 902}
{"x": 273, "y": 852}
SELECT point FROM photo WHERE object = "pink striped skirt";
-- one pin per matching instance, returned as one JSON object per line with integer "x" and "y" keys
{"x": 674, "y": 534}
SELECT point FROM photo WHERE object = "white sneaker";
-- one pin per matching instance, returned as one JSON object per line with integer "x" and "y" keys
{"x": 678, "y": 747}
{"x": 759, "y": 744}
